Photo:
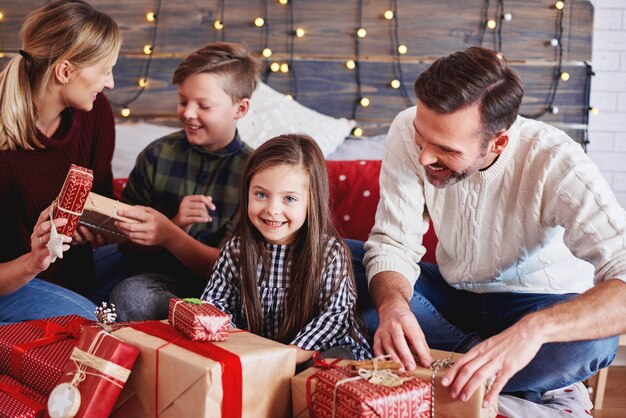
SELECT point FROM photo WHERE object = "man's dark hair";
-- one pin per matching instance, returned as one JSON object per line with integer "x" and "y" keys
{"x": 476, "y": 75}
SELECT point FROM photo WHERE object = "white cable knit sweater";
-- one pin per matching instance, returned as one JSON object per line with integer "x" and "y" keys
{"x": 525, "y": 224}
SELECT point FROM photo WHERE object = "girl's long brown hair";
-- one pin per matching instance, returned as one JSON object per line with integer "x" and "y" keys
{"x": 307, "y": 253}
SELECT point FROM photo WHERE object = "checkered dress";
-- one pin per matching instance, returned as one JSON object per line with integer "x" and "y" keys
{"x": 330, "y": 329}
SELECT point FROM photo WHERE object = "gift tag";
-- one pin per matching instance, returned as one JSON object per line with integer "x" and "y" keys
{"x": 64, "y": 401}
{"x": 55, "y": 243}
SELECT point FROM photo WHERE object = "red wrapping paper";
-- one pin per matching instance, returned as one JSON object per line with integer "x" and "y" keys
{"x": 35, "y": 352}
{"x": 16, "y": 400}
{"x": 73, "y": 197}
{"x": 199, "y": 322}
{"x": 99, "y": 393}
{"x": 359, "y": 398}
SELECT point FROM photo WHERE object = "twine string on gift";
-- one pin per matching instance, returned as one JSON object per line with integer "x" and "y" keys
{"x": 101, "y": 224}
{"x": 436, "y": 366}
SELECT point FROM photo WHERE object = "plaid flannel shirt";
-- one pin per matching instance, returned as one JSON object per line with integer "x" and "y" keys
{"x": 171, "y": 168}
{"x": 331, "y": 328}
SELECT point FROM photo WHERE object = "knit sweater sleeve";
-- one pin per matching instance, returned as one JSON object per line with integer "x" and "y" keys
{"x": 395, "y": 243}
{"x": 584, "y": 205}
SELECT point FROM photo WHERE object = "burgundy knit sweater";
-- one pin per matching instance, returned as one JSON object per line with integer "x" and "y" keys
{"x": 31, "y": 180}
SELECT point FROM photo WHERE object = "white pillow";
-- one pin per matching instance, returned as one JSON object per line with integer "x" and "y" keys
{"x": 271, "y": 113}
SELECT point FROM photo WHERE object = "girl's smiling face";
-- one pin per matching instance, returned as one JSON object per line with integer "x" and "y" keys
{"x": 278, "y": 202}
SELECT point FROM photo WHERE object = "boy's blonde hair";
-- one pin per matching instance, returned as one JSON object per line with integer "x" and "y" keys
{"x": 60, "y": 30}
{"x": 234, "y": 63}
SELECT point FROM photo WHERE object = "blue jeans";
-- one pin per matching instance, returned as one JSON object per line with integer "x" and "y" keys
{"x": 455, "y": 320}
{"x": 39, "y": 299}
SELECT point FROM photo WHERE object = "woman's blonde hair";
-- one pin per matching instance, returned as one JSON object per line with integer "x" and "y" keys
{"x": 61, "y": 30}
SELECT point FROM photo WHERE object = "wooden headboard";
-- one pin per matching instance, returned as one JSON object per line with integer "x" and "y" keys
{"x": 318, "y": 76}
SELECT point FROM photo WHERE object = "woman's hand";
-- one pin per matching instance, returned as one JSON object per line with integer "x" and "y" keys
{"x": 39, "y": 259}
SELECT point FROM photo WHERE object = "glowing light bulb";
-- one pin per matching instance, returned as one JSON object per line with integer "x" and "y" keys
{"x": 1, "y": 15}
{"x": 284, "y": 68}
{"x": 564, "y": 76}
{"x": 147, "y": 49}
{"x": 554, "y": 110}
{"x": 275, "y": 67}
{"x": 288, "y": 97}
{"x": 150, "y": 17}
{"x": 267, "y": 52}
{"x": 554, "y": 42}
{"x": 559, "y": 5}
{"x": 299, "y": 32}
{"x": 358, "y": 132}
{"x": 491, "y": 24}
{"x": 395, "y": 84}
{"x": 388, "y": 14}
{"x": 508, "y": 17}
{"x": 218, "y": 25}
{"x": 258, "y": 22}
{"x": 283, "y": 2}
{"x": 125, "y": 112}
{"x": 143, "y": 82}
{"x": 361, "y": 32}
{"x": 594, "y": 110}
{"x": 402, "y": 49}
{"x": 350, "y": 65}
{"x": 364, "y": 101}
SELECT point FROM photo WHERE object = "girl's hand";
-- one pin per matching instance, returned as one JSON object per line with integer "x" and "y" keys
{"x": 39, "y": 253}
{"x": 193, "y": 209}
{"x": 153, "y": 228}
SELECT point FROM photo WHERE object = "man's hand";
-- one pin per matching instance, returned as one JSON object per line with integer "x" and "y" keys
{"x": 153, "y": 228}
{"x": 500, "y": 356}
{"x": 398, "y": 330}
{"x": 193, "y": 209}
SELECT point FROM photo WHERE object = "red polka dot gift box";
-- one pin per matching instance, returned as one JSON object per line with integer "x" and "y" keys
{"x": 17, "y": 400}
{"x": 35, "y": 352}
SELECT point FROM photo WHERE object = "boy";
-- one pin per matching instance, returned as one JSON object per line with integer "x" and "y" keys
{"x": 186, "y": 184}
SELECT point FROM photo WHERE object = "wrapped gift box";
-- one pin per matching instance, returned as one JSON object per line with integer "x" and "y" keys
{"x": 339, "y": 393}
{"x": 246, "y": 376}
{"x": 16, "y": 400}
{"x": 73, "y": 197}
{"x": 99, "y": 365}
{"x": 445, "y": 406}
{"x": 100, "y": 213}
{"x": 199, "y": 320}
{"x": 35, "y": 352}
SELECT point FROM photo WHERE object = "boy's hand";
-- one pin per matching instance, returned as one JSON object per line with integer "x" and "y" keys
{"x": 193, "y": 209}
{"x": 154, "y": 227}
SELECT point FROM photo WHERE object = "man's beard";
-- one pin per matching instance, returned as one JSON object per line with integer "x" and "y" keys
{"x": 456, "y": 176}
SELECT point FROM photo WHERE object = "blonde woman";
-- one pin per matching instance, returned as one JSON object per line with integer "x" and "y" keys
{"x": 52, "y": 114}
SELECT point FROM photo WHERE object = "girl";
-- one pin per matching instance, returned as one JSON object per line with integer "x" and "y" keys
{"x": 285, "y": 275}
{"x": 51, "y": 115}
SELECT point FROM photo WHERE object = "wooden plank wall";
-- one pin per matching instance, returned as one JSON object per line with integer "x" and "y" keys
{"x": 318, "y": 72}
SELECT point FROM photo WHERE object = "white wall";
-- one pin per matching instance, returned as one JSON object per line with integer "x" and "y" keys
{"x": 607, "y": 130}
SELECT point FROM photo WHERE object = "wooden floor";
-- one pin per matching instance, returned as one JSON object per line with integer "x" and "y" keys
{"x": 614, "y": 395}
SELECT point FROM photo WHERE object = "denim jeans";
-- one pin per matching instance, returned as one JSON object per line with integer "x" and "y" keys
{"x": 39, "y": 299}
{"x": 455, "y": 320}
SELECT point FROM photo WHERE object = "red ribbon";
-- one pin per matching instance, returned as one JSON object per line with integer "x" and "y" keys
{"x": 52, "y": 333}
{"x": 232, "y": 381}
{"x": 320, "y": 362}
{"x": 18, "y": 393}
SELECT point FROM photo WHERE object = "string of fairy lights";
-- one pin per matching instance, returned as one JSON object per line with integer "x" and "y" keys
{"x": 287, "y": 66}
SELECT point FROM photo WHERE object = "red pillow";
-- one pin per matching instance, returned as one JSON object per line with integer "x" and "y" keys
{"x": 355, "y": 191}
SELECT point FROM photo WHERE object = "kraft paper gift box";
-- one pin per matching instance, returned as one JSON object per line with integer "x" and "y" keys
{"x": 246, "y": 376}
{"x": 445, "y": 406}
{"x": 36, "y": 352}
{"x": 72, "y": 197}
{"x": 17, "y": 400}
{"x": 98, "y": 368}
{"x": 100, "y": 214}
{"x": 198, "y": 320}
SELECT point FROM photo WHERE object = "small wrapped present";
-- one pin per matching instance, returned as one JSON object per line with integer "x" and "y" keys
{"x": 371, "y": 393}
{"x": 16, "y": 400}
{"x": 73, "y": 196}
{"x": 199, "y": 320}
{"x": 246, "y": 376}
{"x": 98, "y": 369}
{"x": 100, "y": 214}
{"x": 35, "y": 352}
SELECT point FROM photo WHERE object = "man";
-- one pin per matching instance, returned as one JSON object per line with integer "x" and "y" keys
{"x": 517, "y": 206}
